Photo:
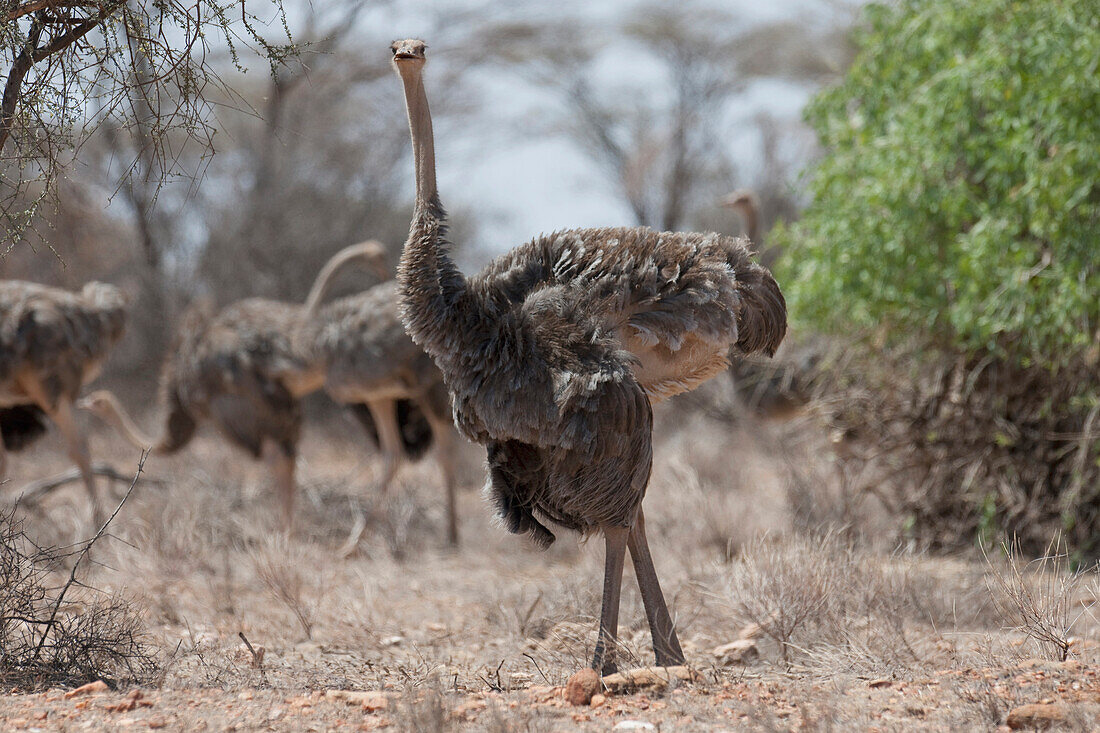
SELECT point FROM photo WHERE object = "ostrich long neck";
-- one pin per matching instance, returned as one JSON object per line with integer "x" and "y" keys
{"x": 122, "y": 421}
{"x": 432, "y": 287}
{"x": 327, "y": 276}
{"x": 751, "y": 218}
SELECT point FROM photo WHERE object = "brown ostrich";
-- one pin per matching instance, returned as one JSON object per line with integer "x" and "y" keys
{"x": 772, "y": 389}
{"x": 554, "y": 353}
{"x": 245, "y": 370}
{"x": 747, "y": 205}
{"x": 394, "y": 388}
{"x": 52, "y": 343}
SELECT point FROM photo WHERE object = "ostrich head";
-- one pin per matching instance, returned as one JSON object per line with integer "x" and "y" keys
{"x": 409, "y": 51}
{"x": 741, "y": 200}
{"x": 373, "y": 255}
{"x": 98, "y": 403}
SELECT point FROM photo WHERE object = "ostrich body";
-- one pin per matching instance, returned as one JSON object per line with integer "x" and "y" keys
{"x": 52, "y": 343}
{"x": 245, "y": 370}
{"x": 371, "y": 364}
{"x": 556, "y": 350}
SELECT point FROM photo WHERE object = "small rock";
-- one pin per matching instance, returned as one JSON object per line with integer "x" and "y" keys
{"x": 1038, "y": 716}
{"x": 157, "y": 722}
{"x": 634, "y": 725}
{"x": 582, "y": 686}
{"x": 88, "y": 689}
{"x": 880, "y": 683}
{"x": 649, "y": 677}
{"x": 392, "y": 640}
{"x": 741, "y": 651}
{"x": 598, "y": 700}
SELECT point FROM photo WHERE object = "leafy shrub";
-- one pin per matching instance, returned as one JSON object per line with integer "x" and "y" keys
{"x": 958, "y": 197}
{"x": 954, "y": 228}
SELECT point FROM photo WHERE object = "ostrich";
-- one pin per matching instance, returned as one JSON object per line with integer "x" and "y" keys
{"x": 780, "y": 389}
{"x": 52, "y": 343}
{"x": 555, "y": 351}
{"x": 747, "y": 205}
{"x": 245, "y": 370}
{"x": 371, "y": 364}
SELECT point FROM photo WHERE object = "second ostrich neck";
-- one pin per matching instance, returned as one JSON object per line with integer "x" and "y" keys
{"x": 323, "y": 284}
{"x": 125, "y": 424}
{"x": 432, "y": 286}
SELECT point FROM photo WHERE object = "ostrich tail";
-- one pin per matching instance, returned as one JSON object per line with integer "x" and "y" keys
{"x": 762, "y": 323}
{"x": 179, "y": 426}
{"x": 21, "y": 425}
{"x": 416, "y": 431}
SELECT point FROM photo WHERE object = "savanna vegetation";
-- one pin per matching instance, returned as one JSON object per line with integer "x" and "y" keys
{"x": 910, "y": 545}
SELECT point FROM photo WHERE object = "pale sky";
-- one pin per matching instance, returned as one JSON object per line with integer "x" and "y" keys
{"x": 541, "y": 184}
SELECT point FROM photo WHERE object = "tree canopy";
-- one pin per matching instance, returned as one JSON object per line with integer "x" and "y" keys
{"x": 957, "y": 201}
{"x": 74, "y": 65}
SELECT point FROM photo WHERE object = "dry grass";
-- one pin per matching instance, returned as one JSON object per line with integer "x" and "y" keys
{"x": 1047, "y": 599}
{"x": 52, "y": 632}
{"x": 205, "y": 559}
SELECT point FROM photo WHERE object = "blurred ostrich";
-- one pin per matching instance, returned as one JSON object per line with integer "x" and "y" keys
{"x": 773, "y": 389}
{"x": 747, "y": 205}
{"x": 245, "y": 370}
{"x": 52, "y": 342}
{"x": 554, "y": 352}
{"x": 396, "y": 390}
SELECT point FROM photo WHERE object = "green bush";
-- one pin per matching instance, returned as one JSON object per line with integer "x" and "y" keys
{"x": 955, "y": 228}
{"x": 958, "y": 200}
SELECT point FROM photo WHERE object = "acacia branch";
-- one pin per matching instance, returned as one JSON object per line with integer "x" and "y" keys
{"x": 32, "y": 7}
{"x": 87, "y": 546}
{"x": 32, "y": 54}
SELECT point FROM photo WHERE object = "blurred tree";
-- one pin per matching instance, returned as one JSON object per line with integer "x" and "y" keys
{"x": 319, "y": 170}
{"x": 74, "y": 64}
{"x": 662, "y": 145}
{"x": 955, "y": 217}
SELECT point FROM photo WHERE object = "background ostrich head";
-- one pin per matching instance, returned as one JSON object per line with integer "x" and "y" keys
{"x": 741, "y": 200}
{"x": 373, "y": 256}
{"x": 98, "y": 403}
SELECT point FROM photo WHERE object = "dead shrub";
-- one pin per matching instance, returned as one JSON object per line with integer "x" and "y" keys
{"x": 822, "y": 600}
{"x": 1041, "y": 598}
{"x": 964, "y": 448}
{"x": 50, "y": 638}
{"x": 291, "y": 577}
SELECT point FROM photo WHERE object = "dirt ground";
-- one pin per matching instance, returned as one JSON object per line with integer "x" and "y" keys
{"x": 853, "y": 630}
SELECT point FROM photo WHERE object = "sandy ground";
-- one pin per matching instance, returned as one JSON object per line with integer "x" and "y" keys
{"x": 407, "y": 634}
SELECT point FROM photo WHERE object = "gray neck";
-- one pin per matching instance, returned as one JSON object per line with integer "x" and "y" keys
{"x": 423, "y": 140}
{"x": 327, "y": 276}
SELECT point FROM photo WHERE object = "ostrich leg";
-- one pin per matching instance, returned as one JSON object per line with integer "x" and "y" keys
{"x": 282, "y": 468}
{"x": 665, "y": 644}
{"x": 77, "y": 443}
{"x": 443, "y": 434}
{"x": 384, "y": 413}
{"x": 615, "y": 539}
{"x": 3, "y": 459}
